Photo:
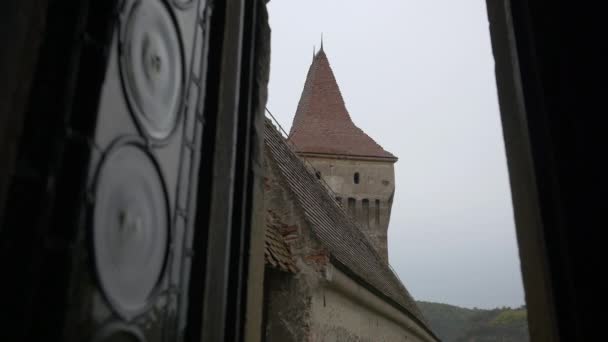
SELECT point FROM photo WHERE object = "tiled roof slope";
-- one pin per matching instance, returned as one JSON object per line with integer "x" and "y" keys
{"x": 322, "y": 123}
{"x": 276, "y": 251}
{"x": 330, "y": 224}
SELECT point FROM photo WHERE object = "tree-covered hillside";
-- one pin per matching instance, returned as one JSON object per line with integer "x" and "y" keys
{"x": 455, "y": 324}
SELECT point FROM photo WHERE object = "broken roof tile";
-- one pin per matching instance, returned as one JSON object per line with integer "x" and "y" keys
{"x": 276, "y": 250}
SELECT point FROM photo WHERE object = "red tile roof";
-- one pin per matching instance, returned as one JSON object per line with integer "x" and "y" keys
{"x": 322, "y": 123}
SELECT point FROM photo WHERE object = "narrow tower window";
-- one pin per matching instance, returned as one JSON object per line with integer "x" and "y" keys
{"x": 318, "y": 174}
{"x": 356, "y": 178}
{"x": 366, "y": 212}
{"x": 377, "y": 211}
{"x": 351, "y": 207}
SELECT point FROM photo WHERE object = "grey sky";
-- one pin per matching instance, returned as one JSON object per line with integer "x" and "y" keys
{"x": 418, "y": 77}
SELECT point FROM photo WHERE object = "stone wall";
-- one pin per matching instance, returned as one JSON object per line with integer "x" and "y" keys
{"x": 370, "y": 200}
{"x": 335, "y": 317}
{"x": 342, "y": 310}
{"x": 288, "y": 296}
{"x": 286, "y": 307}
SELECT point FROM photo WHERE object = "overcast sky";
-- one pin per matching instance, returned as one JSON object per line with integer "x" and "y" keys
{"x": 418, "y": 77}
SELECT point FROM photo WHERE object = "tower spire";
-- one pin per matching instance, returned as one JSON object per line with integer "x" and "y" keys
{"x": 321, "y": 49}
{"x": 322, "y": 123}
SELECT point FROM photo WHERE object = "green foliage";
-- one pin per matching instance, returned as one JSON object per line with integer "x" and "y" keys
{"x": 507, "y": 317}
{"x": 455, "y": 324}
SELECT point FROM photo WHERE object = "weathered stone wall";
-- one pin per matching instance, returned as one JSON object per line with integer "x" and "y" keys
{"x": 287, "y": 307}
{"x": 336, "y": 317}
{"x": 288, "y": 296}
{"x": 342, "y": 310}
{"x": 369, "y": 202}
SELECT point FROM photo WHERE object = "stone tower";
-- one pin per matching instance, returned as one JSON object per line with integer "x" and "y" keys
{"x": 358, "y": 170}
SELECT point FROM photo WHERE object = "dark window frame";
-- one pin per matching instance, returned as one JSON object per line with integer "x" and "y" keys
{"x": 538, "y": 131}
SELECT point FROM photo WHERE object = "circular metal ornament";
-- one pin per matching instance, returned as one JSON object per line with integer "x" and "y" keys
{"x": 183, "y": 4}
{"x": 131, "y": 230}
{"x": 152, "y": 67}
{"x": 117, "y": 332}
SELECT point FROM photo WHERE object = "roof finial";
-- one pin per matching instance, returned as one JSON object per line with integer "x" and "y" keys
{"x": 321, "y": 49}
{"x": 313, "y": 52}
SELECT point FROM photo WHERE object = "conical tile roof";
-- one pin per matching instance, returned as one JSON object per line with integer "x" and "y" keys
{"x": 322, "y": 124}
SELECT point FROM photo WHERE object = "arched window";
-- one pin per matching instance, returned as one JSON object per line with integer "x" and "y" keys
{"x": 352, "y": 211}
{"x": 366, "y": 217}
{"x": 356, "y": 178}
